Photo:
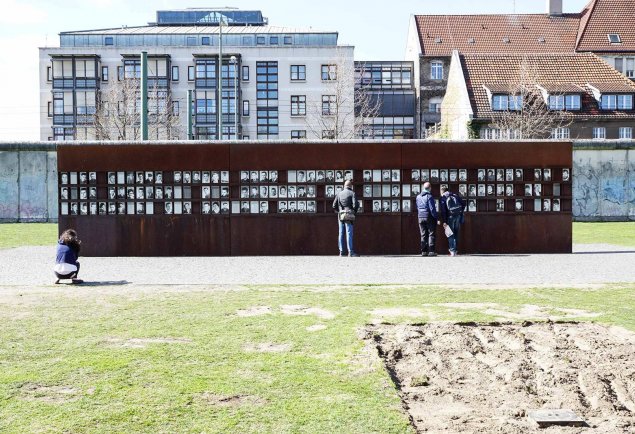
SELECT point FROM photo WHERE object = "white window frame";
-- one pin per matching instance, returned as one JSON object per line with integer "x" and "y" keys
{"x": 175, "y": 73}
{"x": 560, "y": 133}
{"x": 245, "y": 108}
{"x": 436, "y": 70}
{"x": 298, "y": 105}
{"x": 599, "y": 133}
{"x": 626, "y": 133}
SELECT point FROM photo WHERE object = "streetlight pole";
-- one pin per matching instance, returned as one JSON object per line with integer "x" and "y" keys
{"x": 234, "y": 60}
{"x": 219, "y": 110}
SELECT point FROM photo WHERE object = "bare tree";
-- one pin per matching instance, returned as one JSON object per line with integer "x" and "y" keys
{"x": 332, "y": 116}
{"x": 367, "y": 104}
{"x": 118, "y": 113}
{"x": 529, "y": 115}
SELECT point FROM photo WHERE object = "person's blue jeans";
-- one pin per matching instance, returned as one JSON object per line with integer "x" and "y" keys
{"x": 454, "y": 222}
{"x": 345, "y": 237}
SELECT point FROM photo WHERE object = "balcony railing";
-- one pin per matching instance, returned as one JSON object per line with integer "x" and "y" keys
{"x": 63, "y": 119}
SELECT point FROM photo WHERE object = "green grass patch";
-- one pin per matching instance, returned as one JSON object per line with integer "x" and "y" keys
{"x": 618, "y": 233}
{"x": 83, "y": 359}
{"x": 27, "y": 234}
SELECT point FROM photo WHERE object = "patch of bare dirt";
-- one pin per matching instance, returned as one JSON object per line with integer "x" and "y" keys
{"x": 254, "y": 311}
{"x": 48, "y": 394}
{"x": 267, "y": 347}
{"x": 230, "y": 401}
{"x": 144, "y": 342}
{"x": 303, "y": 310}
{"x": 471, "y": 378}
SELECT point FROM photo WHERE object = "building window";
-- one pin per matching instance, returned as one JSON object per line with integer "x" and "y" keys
{"x": 60, "y": 133}
{"x": 109, "y": 40}
{"x": 560, "y": 133}
{"x": 629, "y": 71}
{"x": 205, "y": 40}
{"x": 329, "y": 72}
{"x": 190, "y": 73}
{"x": 298, "y": 105}
{"x": 176, "y": 108}
{"x": 245, "y": 108}
{"x": 298, "y": 72}
{"x": 120, "y": 73}
{"x": 267, "y": 80}
{"x": 619, "y": 102}
{"x": 175, "y": 73}
{"x": 436, "y": 71}
{"x": 599, "y": 133}
{"x": 564, "y": 102}
{"x": 626, "y": 132}
{"x": 288, "y": 40}
{"x": 49, "y": 73}
{"x": 506, "y": 102}
{"x": 328, "y": 105}
{"x": 245, "y": 75}
{"x": 572, "y": 102}
{"x": 267, "y": 122}
{"x": 132, "y": 68}
{"x": 434, "y": 105}
{"x": 273, "y": 40}
{"x": 260, "y": 40}
{"x": 328, "y": 134}
{"x": 614, "y": 38}
{"x": 190, "y": 41}
{"x": 104, "y": 73}
{"x": 50, "y": 109}
{"x": 298, "y": 134}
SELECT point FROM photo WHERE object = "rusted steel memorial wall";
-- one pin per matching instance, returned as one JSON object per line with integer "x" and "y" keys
{"x": 274, "y": 198}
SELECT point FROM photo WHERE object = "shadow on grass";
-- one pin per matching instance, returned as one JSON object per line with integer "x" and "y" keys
{"x": 98, "y": 283}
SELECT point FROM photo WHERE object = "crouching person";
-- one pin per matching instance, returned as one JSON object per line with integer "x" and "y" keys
{"x": 66, "y": 264}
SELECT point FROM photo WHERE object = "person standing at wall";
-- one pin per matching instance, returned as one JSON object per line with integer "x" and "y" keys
{"x": 428, "y": 220}
{"x": 451, "y": 207}
{"x": 346, "y": 206}
{"x": 66, "y": 264}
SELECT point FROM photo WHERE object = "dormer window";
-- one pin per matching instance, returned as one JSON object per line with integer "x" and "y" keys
{"x": 564, "y": 102}
{"x": 541, "y": 40}
{"x": 616, "y": 102}
{"x": 438, "y": 40}
{"x": 471, "y": 41}
{"x": 614, "y": 38}
{"x": 501, "y": 102}
{"x": 506, "y": 41}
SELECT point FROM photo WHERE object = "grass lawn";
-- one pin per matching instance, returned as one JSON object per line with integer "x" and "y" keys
{"x": 162, "y": 359}
{"x": 38, "y": 234}
{"x": 619, "y": 233}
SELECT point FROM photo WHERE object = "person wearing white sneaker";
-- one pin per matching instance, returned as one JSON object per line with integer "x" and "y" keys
{"x": 66, "y": 264}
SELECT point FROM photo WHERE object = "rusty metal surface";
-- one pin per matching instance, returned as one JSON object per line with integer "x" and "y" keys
{"x": 485, "y": 231}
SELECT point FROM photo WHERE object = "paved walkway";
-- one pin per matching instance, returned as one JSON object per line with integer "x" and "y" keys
{"x": 589, "y": 265}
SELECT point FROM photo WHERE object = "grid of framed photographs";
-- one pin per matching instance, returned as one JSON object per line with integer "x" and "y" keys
{"x": 307, "y": 191}
{"x": 144, "y": 192}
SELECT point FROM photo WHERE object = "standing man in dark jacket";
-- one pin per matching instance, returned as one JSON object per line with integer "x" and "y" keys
{"x": 428, "y": 220}
{"x": 452, "y": 207}
{"x": 345, "y": 200}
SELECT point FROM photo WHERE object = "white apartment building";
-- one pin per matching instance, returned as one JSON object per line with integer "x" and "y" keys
{"x": 282, "y": 83}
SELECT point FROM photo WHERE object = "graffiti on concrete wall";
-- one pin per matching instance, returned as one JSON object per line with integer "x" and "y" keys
{"x": 9, "y": 196}
{"x": 603, "y": 184}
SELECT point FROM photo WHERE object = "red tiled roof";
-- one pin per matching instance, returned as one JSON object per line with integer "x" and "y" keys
{"x": 439, "y": 35}
{"x": 553, "y": 70}
{"x": 606, "y": 17}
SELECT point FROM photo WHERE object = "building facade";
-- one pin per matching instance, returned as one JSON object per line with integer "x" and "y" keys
{"x": 385, "y": 100}
{"x": 600, "y": 28}
{"x": 277, "y": 82}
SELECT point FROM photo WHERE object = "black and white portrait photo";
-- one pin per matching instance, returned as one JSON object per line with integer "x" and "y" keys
{"x": 546, "y": 205}
{"x": 368, "y": 176}
{"x": 500, "y": 189}
{"x": 244, "y": 176}
{"x": 140, "y": 209}
{"x": 83, "y": 193}
{"x": 254, "y": 192}
{"x": 253, "y": 176}
{"x": 500, "y": 204}
{"x": 121, "y": 208}
{"x": 395, "y": 175}
{"x": 196, "y": 177}
{"x": 453, "y": 175}
{"x": 330, "y": 191}
{"x": 509, "y": 190}
{"x": 518, "y": 174}
{"x": 273, "y": 176}
{"x": 385, "y": 175}
{"x": 301, "y": 189}
{"x": 149, "y": 178}
{"x": 168, "y": 192}
{"x": 244, "y": 192}
{"x": 394, "y": 191}
{"x": 263, "y": 176}
{"x": 215, "y": 177}
{"x": 244, "y": 207}
{"x": 443, "y": 175}
{"x": 206, "y": 208}
{"x": 376, "y": 206}
{"x": 330, "y": 176}
{"x": 158, "y": 193}
{"x": 528, "y": 190}
{"x": 310, "y": 176}
{"x": 395, "y": 206}
{"x": 129, "y": 177}
{"x": 293, "y": 206}
{"x": 518, "y": 205}
{"x": 93, "y": 208}
{"x": 216, "y": 208}
{"x": 112, "y": 178}
{"x": 462, "y": 175}
{"x": 83, "y": 177}
{"x": 500, "y": 175}
{"x": 205, "y": 177}
{"x": 64, "y": 178}
{"x": 282, "y": 206}
{"x": 490, "y": 189}
{"x": 139, "y": 178}
{"x": 415, "y": 175}
{"x": 491, "y": 175}
{"x": 205, "y": 192}
{"x": 385, "y": 206}
{"x": 282, "y": 191}
{"x": 64, "y": 193}
{"x": 434, "y": 175}
{"x": 546, "y": 175}
{"x": 224, "y": 207}
{"x": 312, "y": 208}
{"x": 310, "y": 191}
{"x": 537, "y": 174}
{"x": 178, "y": 177}
{"x": 291, "y": 191}
{"x": 187, "y": 207}
{"x": 224, "y": 192}
{"x": 92, "y": 193}
{"x": 472, "y": 190}
{"x": 509, "y": 175}
{"x": 415, "y": 189}
{"x": 83, "y": 208}
{"x": 463, "y": 190}
{"x": 537, "y": 189}
{"x": 481, "y": 189}
{"x": 187, "y": 177}
{"x": 140, "y": 193}
{"x": 556, "y": 205}
{"x": 405, "y": 206}
{"x": 425, "y": 175}
{"x": 273, "y": 192}
{"x": 471, "y": 205}
{"x": 149, "y": 192}
{"x": 565, "y": 175}
{"x": 368, "y": 191}
{"x": 480, "y": 175}
{"x": 264, "y": 192}
{"x": 300, "y": 176}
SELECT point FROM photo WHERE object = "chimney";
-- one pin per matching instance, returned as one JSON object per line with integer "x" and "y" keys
{"x": 554, "y": 8}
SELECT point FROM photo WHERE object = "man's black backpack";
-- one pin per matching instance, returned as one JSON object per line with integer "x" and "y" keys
{"x": 454, "y": 206}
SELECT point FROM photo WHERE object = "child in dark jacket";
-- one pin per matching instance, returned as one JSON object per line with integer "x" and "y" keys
{"x": 66, "y": 264}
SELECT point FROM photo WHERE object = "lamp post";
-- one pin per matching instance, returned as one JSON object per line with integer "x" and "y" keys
{"x": 234, "y": 61}
{"x": 219, "y": 109}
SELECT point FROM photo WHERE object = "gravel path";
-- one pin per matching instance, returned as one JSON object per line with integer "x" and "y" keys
{"x": 589, "y": 265}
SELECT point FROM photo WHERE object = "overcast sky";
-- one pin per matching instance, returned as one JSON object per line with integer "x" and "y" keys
{"x": 376, "y": 28}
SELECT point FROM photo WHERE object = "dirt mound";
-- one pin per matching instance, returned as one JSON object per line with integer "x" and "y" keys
{"x": 486, "y": 378}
